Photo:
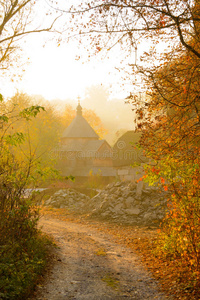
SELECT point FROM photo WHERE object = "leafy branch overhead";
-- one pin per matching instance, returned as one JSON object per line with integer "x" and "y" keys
{"x": 32, "y": 111}
{"x": 17, "y": 20}
{"x": 127, "y": 21}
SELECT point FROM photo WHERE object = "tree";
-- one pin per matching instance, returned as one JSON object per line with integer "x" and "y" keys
{"x": 16, "y": 22}
{"x": 106, "y": 24}
{"x": 15, "y": 172}
{"x": 95, "y": 122}
{"x": 171, "y": 137}
{"x": 125, "y": 21}
{"x": 68, "y": 115}
{"x": 19, "y": 235}
{"x": 40, "y": 134}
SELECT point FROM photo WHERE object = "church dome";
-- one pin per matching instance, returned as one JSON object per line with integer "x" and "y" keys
{"x": 79, "y": 127}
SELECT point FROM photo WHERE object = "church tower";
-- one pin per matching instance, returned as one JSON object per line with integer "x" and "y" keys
{"x": 82, "y": 151}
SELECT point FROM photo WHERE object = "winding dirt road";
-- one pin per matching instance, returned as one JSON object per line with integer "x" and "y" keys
{"x": 91, "y": 265}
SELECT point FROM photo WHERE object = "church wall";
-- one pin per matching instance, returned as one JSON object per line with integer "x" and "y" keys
{"x": 106, "y": 162}
{"x": 65, "y": 141}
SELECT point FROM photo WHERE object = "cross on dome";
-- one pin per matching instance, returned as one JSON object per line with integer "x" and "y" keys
{"x": 79, "y": 108}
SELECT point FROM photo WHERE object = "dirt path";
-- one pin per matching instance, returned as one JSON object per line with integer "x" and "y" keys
{"x": 91, "y": 265}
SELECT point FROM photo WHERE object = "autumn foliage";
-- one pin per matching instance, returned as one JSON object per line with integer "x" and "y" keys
{"x": 171, "y": 137}
{"x": 169, "y": 116}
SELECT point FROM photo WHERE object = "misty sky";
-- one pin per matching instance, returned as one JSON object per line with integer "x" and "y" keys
{"x": 55, "y": 73}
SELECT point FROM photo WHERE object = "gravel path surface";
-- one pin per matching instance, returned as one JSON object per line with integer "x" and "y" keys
{"x": 91, "y": 265}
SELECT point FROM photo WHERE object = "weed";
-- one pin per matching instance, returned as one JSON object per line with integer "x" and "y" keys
{"x": 111, "y": 281}
{"x": 101, "y": 252}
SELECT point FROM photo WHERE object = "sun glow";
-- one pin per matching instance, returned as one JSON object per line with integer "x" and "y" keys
{"x": 55, "y": 73}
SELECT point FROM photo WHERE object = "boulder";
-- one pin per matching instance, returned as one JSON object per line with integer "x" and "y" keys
{"x": 129, "y": 202}
{"x": 133, "y": 211}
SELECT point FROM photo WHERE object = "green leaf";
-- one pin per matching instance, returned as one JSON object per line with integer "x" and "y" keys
{"x": 15, "y": 139}
{"x": 70, "y": 177}
{"x": 4, "y": 118}
{"x": 31, "y": 111}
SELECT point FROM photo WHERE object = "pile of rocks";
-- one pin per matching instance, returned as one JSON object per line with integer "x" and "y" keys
{"x": 130, "y": 203}
{"x": 68, "y": 198}
{"x": 124, "y": 202}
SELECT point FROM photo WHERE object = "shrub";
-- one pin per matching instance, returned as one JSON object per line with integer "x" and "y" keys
{"x": 22, "y": 251}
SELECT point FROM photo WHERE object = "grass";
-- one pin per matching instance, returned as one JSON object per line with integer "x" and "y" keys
{"x": 111, "y": 281}
{"x": 101, "y": 252}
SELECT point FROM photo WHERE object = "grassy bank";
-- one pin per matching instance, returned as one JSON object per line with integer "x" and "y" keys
{"x": 23, "y": 252}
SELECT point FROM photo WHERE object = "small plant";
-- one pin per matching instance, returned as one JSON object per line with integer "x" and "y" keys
{"x": 95, "y": 180}
{"x": 111, "y": 281}
{"x": 101, "y": 252}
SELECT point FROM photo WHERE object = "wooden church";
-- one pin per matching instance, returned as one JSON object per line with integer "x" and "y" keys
{"x": 81, "y": 151}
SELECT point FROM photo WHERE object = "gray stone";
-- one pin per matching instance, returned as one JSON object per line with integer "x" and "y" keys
{"x": 103, "y": 205}
{"x": 133, "y": 211}
{"x": 149, "y": 216}
{"x": 117, "y": 184}
{"x": 129, "y": 201}
{"x": 119, "y": 200}
{"x": 132, "y": 186}
{"x": 105, "y": 214}
{"x": 62, "y": 206}
{"x": 139, "y": 188}
{"x": 118, "y": 207}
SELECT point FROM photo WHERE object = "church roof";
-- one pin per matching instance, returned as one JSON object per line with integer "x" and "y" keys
{"x": 126, "y": 151}
{"x": 86, "y": 149}
{"x": 79, "y": 127}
